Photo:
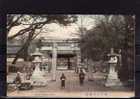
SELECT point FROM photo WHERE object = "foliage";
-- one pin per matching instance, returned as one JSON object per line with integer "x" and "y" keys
{"x": 108, "y": 33}
{"x": 114, "y": 31}
{"x": 33, "y": 25}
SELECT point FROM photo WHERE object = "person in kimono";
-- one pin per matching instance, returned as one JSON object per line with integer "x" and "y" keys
{"x": 81, "y": 77}
{"x": 63, "y": 79}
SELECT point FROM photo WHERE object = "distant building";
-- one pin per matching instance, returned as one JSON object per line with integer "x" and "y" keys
{"x": 68, "y": 51}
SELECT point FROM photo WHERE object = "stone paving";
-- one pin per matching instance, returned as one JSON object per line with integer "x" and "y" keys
{"x": 94, "y": 88}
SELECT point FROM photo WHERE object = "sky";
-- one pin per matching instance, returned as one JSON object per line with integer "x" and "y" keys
{"x": 62, "y": 32}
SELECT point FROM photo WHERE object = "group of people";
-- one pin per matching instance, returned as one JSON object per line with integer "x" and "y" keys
{"x": 81, "y": 78}
{"x": 62, "y": 78}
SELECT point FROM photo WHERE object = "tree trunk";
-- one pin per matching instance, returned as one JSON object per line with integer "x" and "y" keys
{"x": 90, "y": 69}
{"x": 24, "y": 47}
{"x": 20, "y": 52}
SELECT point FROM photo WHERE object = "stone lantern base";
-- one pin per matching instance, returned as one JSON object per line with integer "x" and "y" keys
{"x": 113, "y": 80}
{"x": 37, "y": 77}
{"x": 113, "y": 83}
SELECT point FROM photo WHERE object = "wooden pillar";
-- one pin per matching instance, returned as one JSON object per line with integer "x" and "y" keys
{"x": 78, "y": 61}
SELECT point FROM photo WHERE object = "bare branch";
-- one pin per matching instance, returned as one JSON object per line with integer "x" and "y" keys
{"x": 11, "y": 23}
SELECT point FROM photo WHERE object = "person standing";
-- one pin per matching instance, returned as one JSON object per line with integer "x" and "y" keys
{"x": 81, "y": 77}
{"x": 63, "y": 78}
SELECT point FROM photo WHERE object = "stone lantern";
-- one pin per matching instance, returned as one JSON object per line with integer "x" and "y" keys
{"x": 37, "y": 76}
{"x": 112, "y": 78}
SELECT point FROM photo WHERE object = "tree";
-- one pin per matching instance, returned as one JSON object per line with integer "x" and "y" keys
{"x": 111, "y": 31}
{"x": 33, "y": 25}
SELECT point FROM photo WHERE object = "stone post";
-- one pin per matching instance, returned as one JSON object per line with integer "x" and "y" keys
{"x": 54, "y": 61}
